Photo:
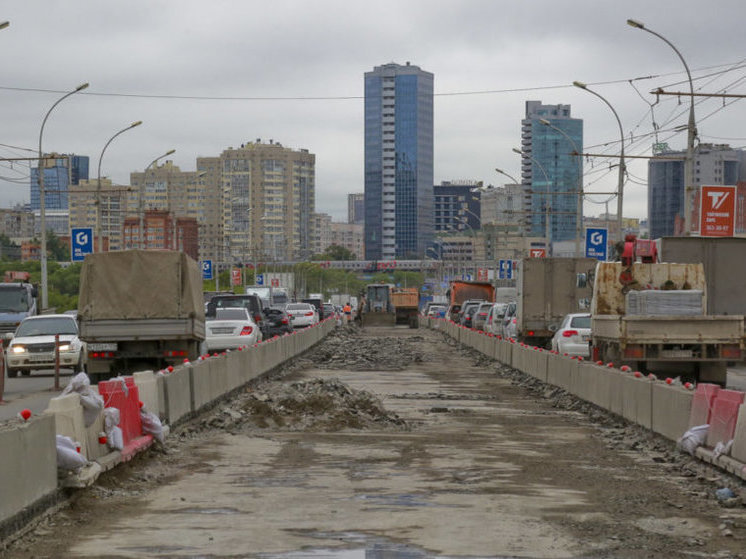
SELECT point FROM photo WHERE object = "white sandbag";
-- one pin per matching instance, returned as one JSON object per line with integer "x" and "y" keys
{"x": 152, "y": 425}
{"x": 693, "y": 438}
{"x": 92, "y": 402}
{"x": 68, "y": 457}
{"x": 115, "y": 438}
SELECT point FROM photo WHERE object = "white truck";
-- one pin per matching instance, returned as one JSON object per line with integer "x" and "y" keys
{"x": 140, "y": 309}
{"x": 547, "y": 291}
{"x": 652, "y": 316}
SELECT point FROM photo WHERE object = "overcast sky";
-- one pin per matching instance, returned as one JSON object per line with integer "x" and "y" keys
{"x": 142, "y": 57}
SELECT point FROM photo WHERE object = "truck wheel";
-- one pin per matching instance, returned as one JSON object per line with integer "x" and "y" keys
{"x": 26, "y": 372}
{"x": 413, "y": 321}
{"x": 12, "y": 373}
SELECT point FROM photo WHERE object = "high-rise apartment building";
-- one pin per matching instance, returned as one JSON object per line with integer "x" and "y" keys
{"x": 457, "y": 206}
{"x": 550, "y": 172}
{"x": 268, "y": 199}
{"x": 714, "y": 164}
{"x": 165, "y": 188}
{"x": 114, "y": 210}
{"x": 356, "y": 208}
{"x": 398, "y": 162}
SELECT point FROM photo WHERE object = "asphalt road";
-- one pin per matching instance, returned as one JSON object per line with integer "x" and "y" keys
{"x": 483, "y": 468}
{"x": 32, "y": 392}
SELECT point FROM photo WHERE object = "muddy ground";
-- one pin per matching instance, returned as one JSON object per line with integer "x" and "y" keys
{"x": 390, "y": 443}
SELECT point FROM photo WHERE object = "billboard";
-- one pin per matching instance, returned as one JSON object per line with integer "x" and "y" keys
{"x": 717, "y": 213}
{"x": 537, "y": 253}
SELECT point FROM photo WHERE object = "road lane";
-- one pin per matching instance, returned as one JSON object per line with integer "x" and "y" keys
{"x": 484, "y": 469}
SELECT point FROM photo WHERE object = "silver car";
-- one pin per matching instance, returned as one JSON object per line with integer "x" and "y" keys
{"x": 230, "y": 329}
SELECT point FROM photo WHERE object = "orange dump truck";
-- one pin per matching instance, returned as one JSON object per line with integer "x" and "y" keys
{"x": 405, "y": 301}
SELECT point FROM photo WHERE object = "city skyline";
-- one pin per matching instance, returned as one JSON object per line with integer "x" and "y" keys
{"x": 304, "y": 90}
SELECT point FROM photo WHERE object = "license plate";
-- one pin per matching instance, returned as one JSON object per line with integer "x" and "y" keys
{"x": 40, "y": 358}
{"x": 102, "y": 347}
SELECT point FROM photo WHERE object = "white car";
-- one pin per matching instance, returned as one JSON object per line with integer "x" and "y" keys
{"x": 231, "y": 328}
{"x": 494, "y": 322}
{"x": 304, "y": 314}
{"x": 32, "y": 346}
{"x": 573, "y": 335}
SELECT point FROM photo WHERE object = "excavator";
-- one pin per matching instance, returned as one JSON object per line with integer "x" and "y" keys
{"x": 387, "y": 305}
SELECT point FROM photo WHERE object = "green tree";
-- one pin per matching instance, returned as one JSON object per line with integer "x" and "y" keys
{"x": 335, "y": 252}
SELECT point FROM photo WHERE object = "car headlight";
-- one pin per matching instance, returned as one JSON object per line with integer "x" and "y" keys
{"x": 64, "y": 347}
{"x": 18, "y": 349}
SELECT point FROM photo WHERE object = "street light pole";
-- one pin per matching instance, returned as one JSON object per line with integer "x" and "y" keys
{"x": 691, "y": 131}
{"x": 622, "y": 167}
{"x": 42, "y": 201}
{"x": 98, "y": 184}
{"x": 141, "y": 198}
{"x": 579, "y": 217}
{"x": 548, "y": 207}
{"x": 4, "y": 24}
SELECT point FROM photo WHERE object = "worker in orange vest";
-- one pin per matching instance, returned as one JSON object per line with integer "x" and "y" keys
{"x": 348, "y": 312}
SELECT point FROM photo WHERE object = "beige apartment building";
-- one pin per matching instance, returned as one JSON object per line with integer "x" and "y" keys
{"x": 321, "y": 232}
{"x": 268, "y": 200}
{"x": 349, "y": 236}
{"x": 114, "y": 209}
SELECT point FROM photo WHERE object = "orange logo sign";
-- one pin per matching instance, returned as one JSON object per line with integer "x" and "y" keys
{"x": 717, "y": 216}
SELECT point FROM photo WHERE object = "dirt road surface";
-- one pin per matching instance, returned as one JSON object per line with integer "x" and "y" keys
{"x": 396, "y": 443}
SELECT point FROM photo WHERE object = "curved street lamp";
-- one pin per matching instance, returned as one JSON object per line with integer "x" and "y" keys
{"x": 511, "y": 177}
{"x": 98, "y": 184}
{"x": 548, "y": 209}
{"x": 622, "y": 167}
{"x": 141, "y": 197}
{"x": 691, "y": 130}
{"x": 4, "y": 24}
{"x": 579, "y": 217}
{"x": 42, "y": 201}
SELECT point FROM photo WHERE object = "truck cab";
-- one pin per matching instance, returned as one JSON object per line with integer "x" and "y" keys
{"x": 17, "y": 301}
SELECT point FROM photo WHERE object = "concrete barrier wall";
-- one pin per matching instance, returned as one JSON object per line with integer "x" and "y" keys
{"x": 652, "y": 404}
{"x": 28, "y": 469}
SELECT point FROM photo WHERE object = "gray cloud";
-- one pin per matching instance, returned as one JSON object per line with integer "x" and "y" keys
{"x": 321, "y": 49}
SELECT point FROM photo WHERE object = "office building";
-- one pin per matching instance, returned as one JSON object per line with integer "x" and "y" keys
{"x": 356, "y": 208}
{"x": 549, "y": 172}
{"x": 506, "y": 205}
{"x": 59, "y": 173}
{"x": 398, "y": 162}
{"x": 457, "y": 206}
{"x": 714, "y": 164}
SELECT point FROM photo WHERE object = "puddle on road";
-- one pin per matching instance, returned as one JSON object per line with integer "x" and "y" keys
{"x": 360, "y": 546}
{"x": 222, "y": 510}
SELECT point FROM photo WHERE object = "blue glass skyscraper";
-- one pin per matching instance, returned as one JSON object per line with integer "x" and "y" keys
{"x": 398, "y": 162}
{"x": 548, "y": 168}
{"x": 59, "y": 174}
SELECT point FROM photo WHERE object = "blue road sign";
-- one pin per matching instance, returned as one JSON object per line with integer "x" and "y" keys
{"x": 505, "y": 269}
{"x": 207, "y": 269}
{"x": 596, "y": 243}
{"x": 260, "y": 279}
{"x": 81, "y": 242}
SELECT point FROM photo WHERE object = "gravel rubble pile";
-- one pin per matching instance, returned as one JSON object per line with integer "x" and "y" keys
{"x": 343, "y": 349}
{"x": 312, "y": 405}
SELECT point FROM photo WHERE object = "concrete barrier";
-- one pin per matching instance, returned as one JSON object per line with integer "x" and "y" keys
{"x": 562, "y": 372}
{"x": 178, "y": 394}
{"x": 147, "y": 386}
{"x": 637, "y": 399}
{"x": 68, "y": 418}
{"x": 28, "y": 470}
{"x": 670, "y": 410}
